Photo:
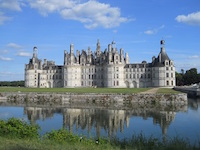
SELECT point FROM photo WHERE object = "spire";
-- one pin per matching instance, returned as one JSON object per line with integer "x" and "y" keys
{"x": 35, "y": 52}
{"x": 162, "y": 43}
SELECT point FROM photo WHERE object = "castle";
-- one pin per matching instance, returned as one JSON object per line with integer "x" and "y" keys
{"x": 108, "y": 68}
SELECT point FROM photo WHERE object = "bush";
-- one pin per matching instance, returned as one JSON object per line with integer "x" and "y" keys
{"x": 18, "y": 128}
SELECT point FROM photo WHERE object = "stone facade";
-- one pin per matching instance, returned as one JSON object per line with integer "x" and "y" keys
{"x": 109, "y": 68}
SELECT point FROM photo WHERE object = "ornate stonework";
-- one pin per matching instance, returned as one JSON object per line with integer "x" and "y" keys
{"x": 108, "y": 68}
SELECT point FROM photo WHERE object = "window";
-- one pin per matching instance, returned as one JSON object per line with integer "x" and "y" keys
{"x": 149, "y": 76}
{"x": 167, "y": 75}
{"x": 167, "y": 68}
{"x": 89, "y": 76}
{"x": 116, "y": 57}
{"x": 172, "y": 83}
{"x": 117, "y": 69}
{"x": 117, "y": 76}
{"x": 167, "y": 82}
{"x": 172, "y": 75}
{"x": 117, "y": 83}
{"x": 130, "y": 76}
{"x": 171, "y": 68}
{"x": 126, "y": 76}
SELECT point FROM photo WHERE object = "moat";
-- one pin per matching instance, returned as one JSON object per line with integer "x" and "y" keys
{"x": 161, "y": 121}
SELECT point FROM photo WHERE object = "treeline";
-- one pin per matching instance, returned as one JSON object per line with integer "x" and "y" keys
{"x": 12, "y": 83}
{"x": 187, "y": 78}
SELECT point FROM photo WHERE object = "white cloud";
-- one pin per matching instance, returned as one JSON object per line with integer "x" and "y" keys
{"x": 23, "y": 54}
{"x": 91, "y": 13}
{"x": 154, "y": 31}
{"x": 194, "y": 57}
{"x": 149, "y": 32}
{"x": 3, "y": 18}
{"x": 14, "y": 45}
{"x": 191, "y": 19}
{"x": 14, "y": 5}
{"x": 5, "y": 51}
{"x": 5, "y": 58}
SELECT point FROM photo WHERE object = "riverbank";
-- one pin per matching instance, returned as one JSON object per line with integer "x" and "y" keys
{"x": 17, "y": 134}
{"x": 116, "y": 97}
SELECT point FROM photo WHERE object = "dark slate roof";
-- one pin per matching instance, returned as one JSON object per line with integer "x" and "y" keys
{"x": 140, "y": 65}
{"x": 164, "y": 56}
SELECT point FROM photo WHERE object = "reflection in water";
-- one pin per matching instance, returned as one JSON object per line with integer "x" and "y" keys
{"x": 111, "y": 121}
{"x": 194, "y": 103}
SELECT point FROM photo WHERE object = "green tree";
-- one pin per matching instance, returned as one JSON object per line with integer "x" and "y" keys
{"x": 191, "y": 76}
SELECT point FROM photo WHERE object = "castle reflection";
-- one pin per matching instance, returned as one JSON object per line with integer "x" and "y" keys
{"x": 110, "y": 120}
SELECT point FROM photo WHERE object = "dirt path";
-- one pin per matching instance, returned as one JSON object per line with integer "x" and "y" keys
{"x": 151, "y": 91}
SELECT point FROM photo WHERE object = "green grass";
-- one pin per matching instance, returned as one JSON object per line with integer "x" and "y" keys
{"x": 167, "y": 91}
{"x": 74, "y": 90}
{"x": 13, "y": 136}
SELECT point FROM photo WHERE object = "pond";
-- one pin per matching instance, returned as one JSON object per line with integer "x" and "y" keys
{"x": 92, "y": 121}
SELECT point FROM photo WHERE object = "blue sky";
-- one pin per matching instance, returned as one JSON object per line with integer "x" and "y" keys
{"x": 137, "y": 26}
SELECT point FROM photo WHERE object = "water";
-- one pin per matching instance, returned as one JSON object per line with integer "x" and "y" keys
{"x": 160, "y": 121}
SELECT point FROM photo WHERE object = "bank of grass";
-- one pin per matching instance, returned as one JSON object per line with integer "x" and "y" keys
{"x": 13, "y": 136}
{"x": 167, "y": 91}
{"x": 74, "y": 90}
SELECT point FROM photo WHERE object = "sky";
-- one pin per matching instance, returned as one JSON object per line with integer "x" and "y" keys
{"x": 137, "y": 26}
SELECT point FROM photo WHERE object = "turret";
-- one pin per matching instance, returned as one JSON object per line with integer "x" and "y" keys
{"x": 109, "y": 54}
{"x": 71, "y": 49}
{"x": 122, "y": 55}
{"x": 98, "y": 49}
{"x": 35, "y": 52}
{"x": 113, "y": 46}
{"x": 78, "y": 55}
{"x": 127, "y": 58}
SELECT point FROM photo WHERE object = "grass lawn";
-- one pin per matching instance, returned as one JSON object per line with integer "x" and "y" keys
{"x": 167, "y": 91}
{"x": 75, "y": 90}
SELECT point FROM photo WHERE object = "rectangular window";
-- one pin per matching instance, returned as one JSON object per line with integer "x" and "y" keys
{"x": 167, "y": 68}
{"x": 172, "y": 75}
{"x": 167, "y": 75}
{"x": 117, "y": 69}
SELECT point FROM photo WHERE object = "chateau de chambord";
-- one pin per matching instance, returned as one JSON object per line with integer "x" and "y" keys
{"x": 109, "y": 68}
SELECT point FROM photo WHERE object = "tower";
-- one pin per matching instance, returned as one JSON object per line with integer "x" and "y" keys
{"x": 35, "y": 52}
{"x": 162, "y": 43}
